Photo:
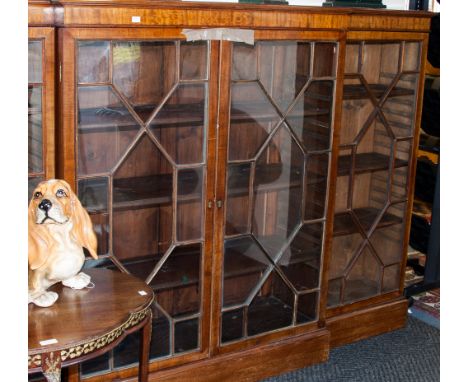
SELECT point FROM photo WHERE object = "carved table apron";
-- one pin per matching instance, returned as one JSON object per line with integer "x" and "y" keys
{"x": 86, "y": 323}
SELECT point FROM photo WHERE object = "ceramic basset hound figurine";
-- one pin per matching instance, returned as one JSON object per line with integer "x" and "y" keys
{"x": 58, "y": 229}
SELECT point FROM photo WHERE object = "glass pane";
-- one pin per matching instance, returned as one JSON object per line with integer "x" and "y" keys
{"x": 244, "y": 62}
{"x": 412, "y": 56}
{"x": 177, "y": 283}
{"x": 252, "y": 119}
{"x": 244, "y": 264}
{"x": 232, "y": 325}
{"x": 95, "y": 365}
{"x": 391, "y": 278}
{"x": 311, "y": 116}
{"x": 35, "y": 61}
{"x": 399, "y": 184}
{"x": 307, "y": 307}
{"x": 93, "y": 195}
{"x": 238, "y": 195}
{"x": 272, "y": 308}
{"x": 342, "y": 189}
{"x": 33, "y": 181}
{"x": 277, "y": 191}
{"x": 324, "y": 59}
{"x": 373, "y": 165}
{"x": 189, "y": 204}
{"x": 380, "y": 64}
{"x": 105, "y": 129}
{"x": 128, "y": 351}
{"x": 293, "y": 60}
{"x": 142, "y": 203}
{"x": 334, "y": 292}
{"x": 101, "y": 262}
{"x": 186, "y": 335}
{"x": 35, "y": 136}
{"x": 356, "y": 111}
{"x": 301, "y": 261}
{"x": 160, "y": 345}
{"x": 193, "y": 60}
{"x": 276, "y": 184}
{"x": 344, "y": 248}
{"x": 93, "y": 61}
{"x": 364, "y": 278}
{"x": 144, "y": 72}
{"x": 352, "y": 58}
{"x": 378, "y": 195}
{"x": 316, "y": 186}
{"x": 180, "y": 125}
{"x": 371, "y": 168}
{"x": 399, "y": 111}
{"x": 388, "y": 243}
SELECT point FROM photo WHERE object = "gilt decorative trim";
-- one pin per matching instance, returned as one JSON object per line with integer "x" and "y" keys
{"x": 34, "y": 360}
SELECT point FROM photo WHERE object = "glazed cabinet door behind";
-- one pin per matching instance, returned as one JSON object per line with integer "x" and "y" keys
{"x": 375, "y": 157}
{"x": 279, "y": 140}
{"x": 141, "y": 131}
{"x": 40, "y": 106}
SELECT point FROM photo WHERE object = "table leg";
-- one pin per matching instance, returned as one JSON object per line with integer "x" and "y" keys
{"x": 51, "y": 366}
{"x": 145, "y": 338}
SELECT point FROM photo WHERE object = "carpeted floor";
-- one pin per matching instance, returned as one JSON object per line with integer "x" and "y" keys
{"x": 411, "y": 354}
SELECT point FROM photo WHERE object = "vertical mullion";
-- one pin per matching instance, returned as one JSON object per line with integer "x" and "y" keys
{"x": 111, "y": 62}
{"x": 218, "y": 151}
{"x": 349, "y": 203}
{"x": 250, "y": 209}
{"x": 175, "y": 178}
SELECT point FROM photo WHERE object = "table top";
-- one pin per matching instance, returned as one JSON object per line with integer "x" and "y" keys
{"x": 117, "y": 302}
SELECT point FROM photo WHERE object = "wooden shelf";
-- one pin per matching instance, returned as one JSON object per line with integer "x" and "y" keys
{"x": 344, "y": 224}
{"x": 90, "y": 120}
{"x": 254, "y": 112}
{"x": 240, "y": 264}
{"x": 181, "y": 269}
{"x": 147, "y": 191}
{"x": 353, "y": 92}
{"x": 355, "y": 290}
{"x": 366, "y": 162}
{"x": 266, "y": 313}
{"x": 142, "y": 192}
{"x": 266, "y": 178}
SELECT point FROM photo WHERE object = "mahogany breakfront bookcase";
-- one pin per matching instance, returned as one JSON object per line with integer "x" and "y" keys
{"x": 261, "y": 190}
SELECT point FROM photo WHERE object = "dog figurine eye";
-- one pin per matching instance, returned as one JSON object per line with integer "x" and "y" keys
{"x": 60, "y": 193}
{"x": 37, "y": 194}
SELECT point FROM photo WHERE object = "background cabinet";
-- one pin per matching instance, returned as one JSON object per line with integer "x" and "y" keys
{"x": 375, "y": 157}
{"x": 139, "y": 160}
{"x": 261, "y": 190}
{"x": 278, "y": 138}
{"x": 41, "y": 90}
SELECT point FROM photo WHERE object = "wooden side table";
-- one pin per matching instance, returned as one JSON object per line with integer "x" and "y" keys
{"x": 86, "y": 323}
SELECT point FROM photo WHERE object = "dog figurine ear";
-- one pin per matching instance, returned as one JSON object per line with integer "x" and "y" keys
{"x": 82, "y": 229}
{"x": 39, "y": 241}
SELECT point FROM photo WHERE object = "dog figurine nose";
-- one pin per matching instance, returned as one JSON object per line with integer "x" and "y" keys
{"x": 45, "y": 205}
